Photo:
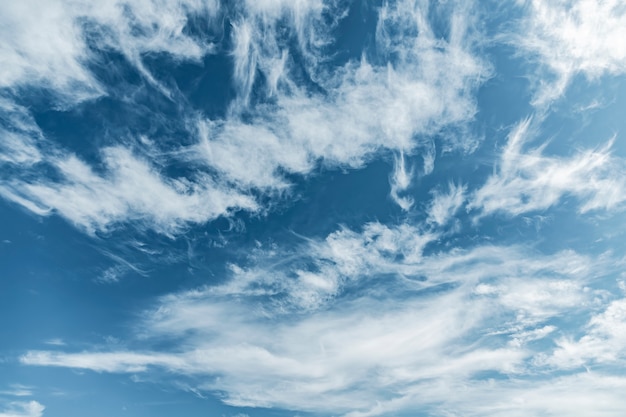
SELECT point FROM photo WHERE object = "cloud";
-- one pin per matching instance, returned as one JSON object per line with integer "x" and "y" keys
{"x": 411, "y": 85}
{"x": 55, "y": 342}
{"x": 444, "y": 206}
{"x": 22, "y": 409}
{"x": 130, "y": 189}
{"x": 50, "y": 45}
{"x": 311, "y": 111}
{"x": 19, "y": 135}
{"x": 43, "y": 47}
{"x": 528, "y": 180}
{"x": 568, "y": 38}
{"x": 18, "y": 390}
{"x": 401, "y": 180}
{"x": 577, "y": 395}
{"x": 367, "y": 321}
{"x": 603, "y": 343}
{"x": 316, "y": 273}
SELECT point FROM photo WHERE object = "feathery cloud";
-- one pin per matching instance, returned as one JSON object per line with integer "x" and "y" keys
{"x": 386, "y": 321}
{"x": 528, "y": 180}
{"x": 568, "y": 38}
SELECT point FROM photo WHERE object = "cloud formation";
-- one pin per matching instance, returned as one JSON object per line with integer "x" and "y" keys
{"x": 51, "y": 45}
{"x": 22, "y": 409}
{"x": 444, "y": 205}
{"x": 409, "y": 85}
{"x": 131, "y": 190}
{"x": 370, "y": 323}
{"x": 568, "y": 38}
{"x": 410, "y": 309}
{"x": 528, "y": 180}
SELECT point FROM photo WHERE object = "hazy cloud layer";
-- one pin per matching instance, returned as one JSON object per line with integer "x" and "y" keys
{"x": 405, "y": 329}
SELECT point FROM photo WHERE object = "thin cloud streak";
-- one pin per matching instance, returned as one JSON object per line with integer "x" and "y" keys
{"x": 130, "y": 190}
{"x": 527, "y": 180}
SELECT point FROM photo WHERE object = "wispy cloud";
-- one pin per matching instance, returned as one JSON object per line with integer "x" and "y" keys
{"x": 48, "y": 45}
{"x": 131, "y": 189}
{"x": 18, "y": 390}
{"x": 444, "y": 205}
{"x": 19, "y": 135}
{"x": 367, "y": 106}
{"x": 22, "y": 409}
{"x": 55, "y": 342}
{"x": 367, "y": 321}
{"x": 401, "y": 180}
{"x": 577, "y": 395}
{"x": 410, "y": 85}
{"x": 568, "y": 38}
{"x": 604, "y": 341}
{"x": 527, "y": 180}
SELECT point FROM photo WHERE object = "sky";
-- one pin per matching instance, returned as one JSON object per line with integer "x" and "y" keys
{"x": 281, "y": 208}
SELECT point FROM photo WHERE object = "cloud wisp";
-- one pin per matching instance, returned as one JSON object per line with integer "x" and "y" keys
{"x": 568, "y": 38}
{"x": 444, "y": 205}
{"x": 371, "y": 323}
{"x": 528, "y": 180}
{"x": 132, "y": 190}
{"x": 406, "y": 87}
{"x": 22, "y": 409}
{"x": 50, "y": 46}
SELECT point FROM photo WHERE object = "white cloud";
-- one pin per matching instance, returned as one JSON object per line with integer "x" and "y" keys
{"x": 111, "y": 275}
{"x": 571, "y": 37}
{"x": 18, "y": 390}
{"x": 130, "y": 189}
{"x": 22, "y": 409}
{"x": 47, "y": 44}
{"x": 387, "y": 323}
{"x": 603, "y": 343}
{"x": 423, "y": 84}
{"x": 321, "y": 270}
{"x": 19, "y": 135}
{"x": 577, "y": 395}
{"x": 401, "y": 180}
{"x": 409, "y": 87}
{"x": 55, "y": 342}
{"x": 43, "y": 46}
{"x": 444, "y": 206}
{"x": 528, "y": 180}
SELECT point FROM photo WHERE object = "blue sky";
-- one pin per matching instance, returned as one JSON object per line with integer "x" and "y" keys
{"x": 312, "y": 208}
